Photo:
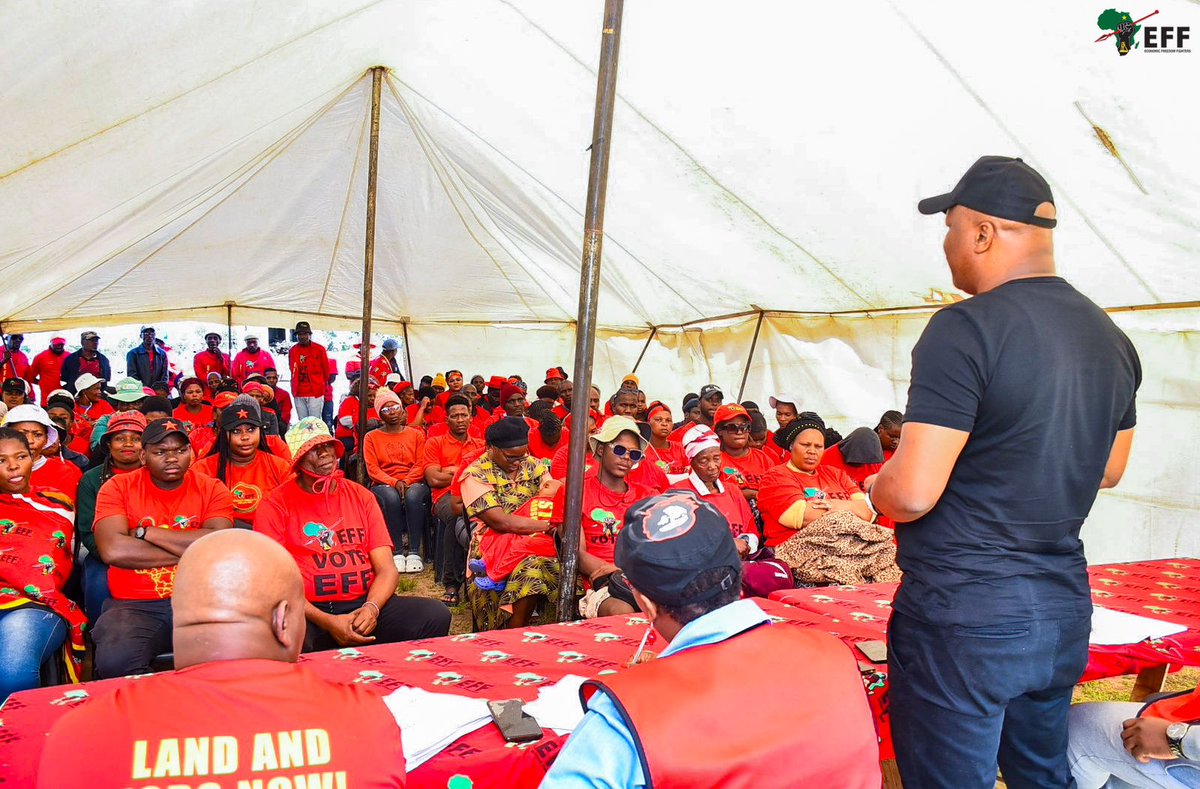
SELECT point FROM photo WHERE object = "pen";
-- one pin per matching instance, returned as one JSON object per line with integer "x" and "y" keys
{"x": 642, "y": 646}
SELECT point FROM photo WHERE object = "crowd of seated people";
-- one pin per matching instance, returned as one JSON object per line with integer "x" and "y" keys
{"x": 466, "y": 475}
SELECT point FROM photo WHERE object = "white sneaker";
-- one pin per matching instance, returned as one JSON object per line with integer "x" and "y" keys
{"x": 401, "y": 564}
{"x": 413, "y": 564}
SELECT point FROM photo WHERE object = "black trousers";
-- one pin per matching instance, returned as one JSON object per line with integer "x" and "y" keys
{"x": 452, "y": 556}
{"x": 400, "y": 619}
{"x": 129, "y": 635}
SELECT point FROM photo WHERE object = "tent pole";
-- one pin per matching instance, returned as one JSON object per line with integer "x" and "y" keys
{"x": 407, "y": 352}
{"x": 589, "y": 292}
{"x": 750, "y": 358}
{"x": 369, "y": 263}
{"x": 229, "y": 327}
{"x": 646, "y": 347}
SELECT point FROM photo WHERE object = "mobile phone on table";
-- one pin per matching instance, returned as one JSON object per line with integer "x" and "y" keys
{"x": 875, "y": 651}
{"x": 514, "y": 722}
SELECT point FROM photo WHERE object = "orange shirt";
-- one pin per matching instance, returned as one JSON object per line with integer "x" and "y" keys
{"x": 783, "y": 486}
{"x": 58, "y": 474}
{"x": 445, "y": 451}
{"x": 310, "y": 369}
{"x": 135, "y": 497}
{"x": 248, "y": 484}
{"x": 250, "y": 722}
{"x": 190, "y": 420}
{"x": 330, "y": 535}
{"x": 394, "y": 457}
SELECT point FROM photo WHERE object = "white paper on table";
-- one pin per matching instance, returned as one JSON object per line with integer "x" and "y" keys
{"x": 557, "y": 706}
{"x": 431, "y": 722}
{"x": 1111, "y": 628}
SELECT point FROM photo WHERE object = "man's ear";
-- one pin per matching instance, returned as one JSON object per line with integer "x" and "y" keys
{"x": 284, "y": 633}
{"x": 985, "y": 234}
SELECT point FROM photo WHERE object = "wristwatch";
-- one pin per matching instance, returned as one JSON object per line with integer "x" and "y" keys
{"x": 1175, "y": 734}
{"x": 139, "y": 533}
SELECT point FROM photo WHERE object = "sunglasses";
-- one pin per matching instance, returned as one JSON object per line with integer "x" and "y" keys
{"x": 735, "y": 428}
{"x": 634, "y": 454}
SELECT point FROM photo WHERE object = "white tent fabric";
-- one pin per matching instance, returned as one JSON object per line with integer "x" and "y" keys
{"x": 203, "y": 159}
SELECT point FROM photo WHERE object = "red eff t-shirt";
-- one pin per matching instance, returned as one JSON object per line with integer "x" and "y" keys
{"x": 230, "y": 723}
{"x": 135, "y": 497}
{"x": 603, "y": 514}
{"x": 248, "y": 484}
{"x": 331, "y": 536}
{"x": 310, "y": 369}
{"x": 783, "y": 486}
{"x": 748, "y": 470}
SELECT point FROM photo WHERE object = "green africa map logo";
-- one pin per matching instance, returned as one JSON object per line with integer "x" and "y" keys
{"x": 1124, "y": 29}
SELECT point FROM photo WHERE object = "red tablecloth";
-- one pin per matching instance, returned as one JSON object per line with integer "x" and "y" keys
{"x": 1167, "y": 589}
{"x": 495, "y": 665}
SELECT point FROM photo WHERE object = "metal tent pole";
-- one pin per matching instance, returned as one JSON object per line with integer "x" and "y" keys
{"x": 369, "y": 262}
{"x": 589, "y": 292}
{"x": 750, "y": 358}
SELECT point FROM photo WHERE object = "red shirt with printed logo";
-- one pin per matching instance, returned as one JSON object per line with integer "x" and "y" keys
{"x": 310, "y": 369}
{"x": 603, "y": 514}
{"x": 331, "y": 536}
{"x": 248, "y": 484}
{"x": 142, "y": 503}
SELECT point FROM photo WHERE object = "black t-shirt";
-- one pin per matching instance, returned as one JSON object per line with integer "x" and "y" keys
{"x": 1042, "y": 380}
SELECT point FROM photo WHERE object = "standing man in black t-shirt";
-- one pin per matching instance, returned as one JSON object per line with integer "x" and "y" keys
{"x": 1021, "y": 408}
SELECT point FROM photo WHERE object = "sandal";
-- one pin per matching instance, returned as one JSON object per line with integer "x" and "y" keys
{"x": 450, "y": 598}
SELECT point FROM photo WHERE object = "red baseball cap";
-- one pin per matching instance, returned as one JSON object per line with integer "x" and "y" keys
{"x": 223, "y": 399}
{"x": 729, "y": 412}
{"x": 57, "y": 341}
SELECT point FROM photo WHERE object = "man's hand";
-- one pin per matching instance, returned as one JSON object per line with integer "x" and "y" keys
{"x": 743, "y": 548}
{"x": 400, "y": 487}
{"x": 1146, "y": 739}
{"x": 364, "y": 620}
{"x": 343, "y": 632}
{"x": 603, "y": 570}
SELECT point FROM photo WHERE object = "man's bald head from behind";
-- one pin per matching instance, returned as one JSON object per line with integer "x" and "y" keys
{"x": 238, "y": 595}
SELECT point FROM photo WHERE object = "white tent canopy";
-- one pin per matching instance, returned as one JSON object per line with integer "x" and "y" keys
{"x": 205, "y": 161}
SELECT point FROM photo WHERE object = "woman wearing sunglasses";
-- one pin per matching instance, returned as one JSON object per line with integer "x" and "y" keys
{"x": 607, "y": 493}
{"x": 740, "y": 462}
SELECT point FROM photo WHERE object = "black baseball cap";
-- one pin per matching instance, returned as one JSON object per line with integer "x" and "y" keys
{"x": 157, "y": 431}
{"x": 303, "y": 326}
{"x": 997, "y": 186}
{"x": 708, "y": 390}
{"x": 14, "y": 386}
{"x": 244, "y": 410}
{"x": 669, "y": 540}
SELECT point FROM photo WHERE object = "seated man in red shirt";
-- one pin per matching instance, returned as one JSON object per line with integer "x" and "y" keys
{"x": 238, "y": 628}
{"x": 334, "y": 530}
{"x": 442, "y": 457}
{"x": 145, "y": 520}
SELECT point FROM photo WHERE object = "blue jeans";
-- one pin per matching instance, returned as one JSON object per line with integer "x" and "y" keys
{"x": 129, "y": 635}
{"x": 95, "y": 586}
{"x": 1098, "y": 757}
{"x": 28, "y": 636}
{"x": 964, "y": 699}
{"x": 404, "y": 517}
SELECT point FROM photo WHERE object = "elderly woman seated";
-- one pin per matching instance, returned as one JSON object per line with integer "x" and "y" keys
{"x": 512, "y": 557}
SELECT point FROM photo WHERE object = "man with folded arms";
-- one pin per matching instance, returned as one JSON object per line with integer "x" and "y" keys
{"x": 684, "y": 718}
{"x": 145, "y": 520}
{"x": 237, "y": 696}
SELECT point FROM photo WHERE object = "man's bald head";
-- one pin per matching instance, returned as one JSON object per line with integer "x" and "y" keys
{"x": 238, "y": 594}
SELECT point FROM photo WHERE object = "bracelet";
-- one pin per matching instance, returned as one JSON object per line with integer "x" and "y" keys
{"x": 370, "y": 602}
